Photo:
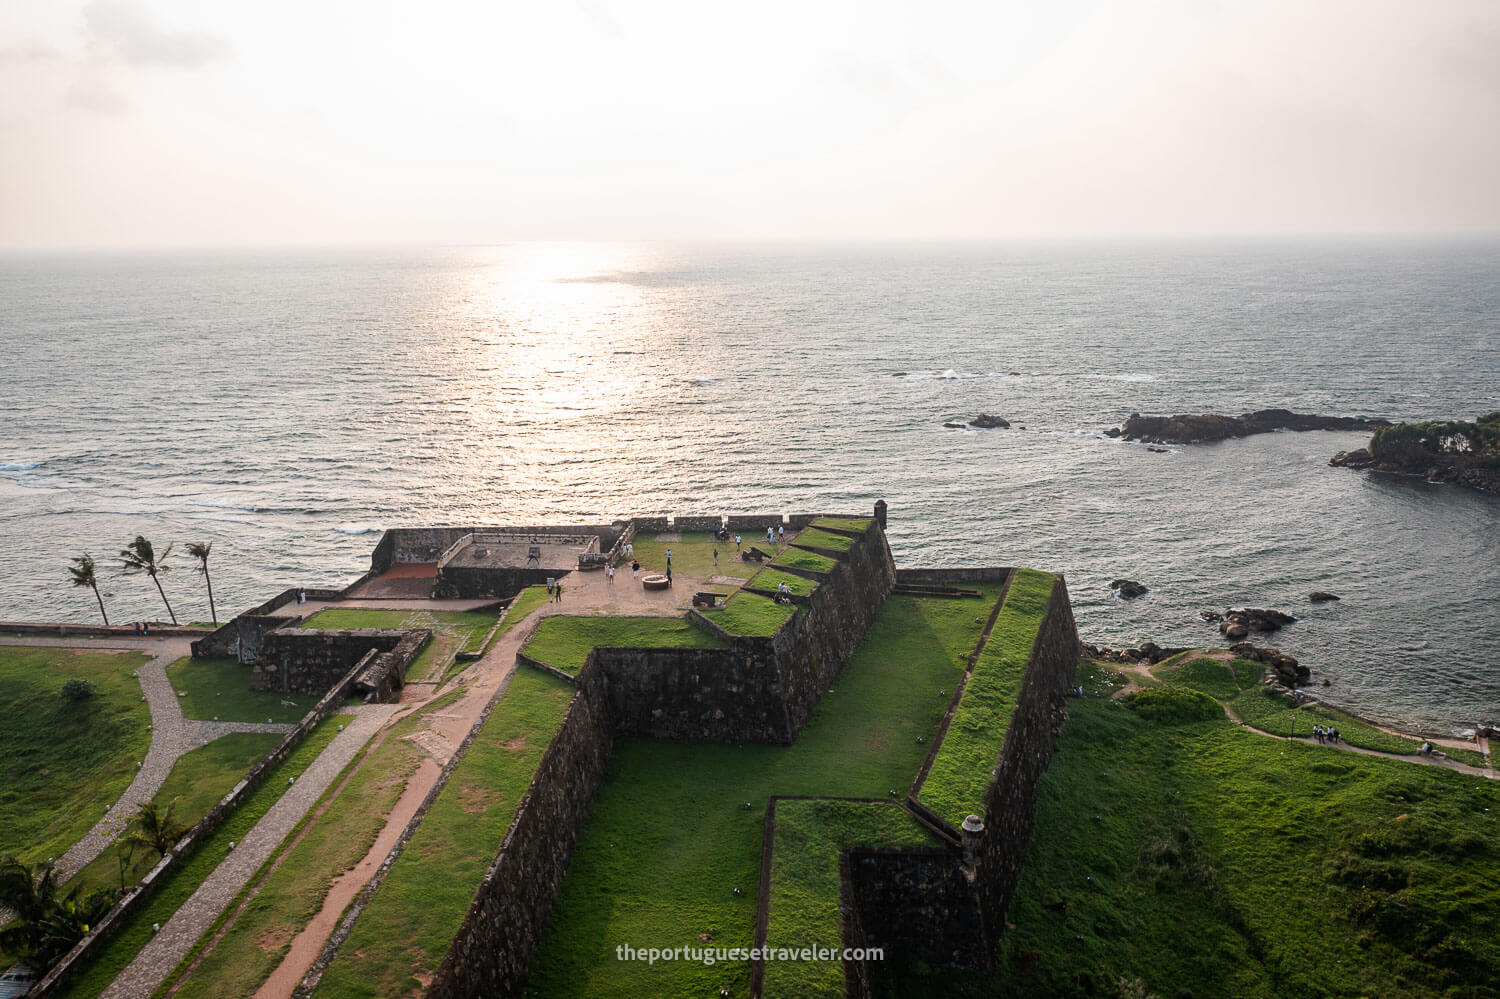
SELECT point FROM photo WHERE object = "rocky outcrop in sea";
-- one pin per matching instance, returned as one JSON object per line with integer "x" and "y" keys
{"x": 1207, "y": 427}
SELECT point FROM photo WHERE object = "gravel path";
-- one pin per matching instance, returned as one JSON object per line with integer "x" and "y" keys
{"x": 171, "y": 944}
{"x": 171, "y": 736}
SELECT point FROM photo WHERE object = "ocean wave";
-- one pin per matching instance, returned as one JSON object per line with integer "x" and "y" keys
{"x": 356, "y": 529}
{"x": 954, "y": 375}
{"x": 19, "y": 466}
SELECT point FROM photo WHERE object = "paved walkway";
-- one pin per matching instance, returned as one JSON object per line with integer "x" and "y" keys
{"x": 438, "y": 738}
{"x": 172, "y": 735}
{"x": 171, "y": 944}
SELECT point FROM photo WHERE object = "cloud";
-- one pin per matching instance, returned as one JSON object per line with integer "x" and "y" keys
{"x": 124, "y": 27}
{"x": 93, "y": 94}
{"x": 29, "y": 51}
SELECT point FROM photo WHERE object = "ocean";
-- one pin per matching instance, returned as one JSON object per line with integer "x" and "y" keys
{"x": 287, "y": 405}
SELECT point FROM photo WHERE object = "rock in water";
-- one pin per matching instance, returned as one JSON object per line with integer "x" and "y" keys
{"x": 1186, "y": 428}
{"x": 1320, "y": 597}
{"x": 956, "y": 426}
{"x": 985, "y": 421}
{"x": 1128, "y": 589}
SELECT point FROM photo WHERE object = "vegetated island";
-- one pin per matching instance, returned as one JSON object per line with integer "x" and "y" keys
{"x": 1186, "y": 428}
{"x": 1467, "y": 454}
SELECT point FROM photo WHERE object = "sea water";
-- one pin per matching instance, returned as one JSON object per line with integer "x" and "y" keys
{"x": 288, "y": 405}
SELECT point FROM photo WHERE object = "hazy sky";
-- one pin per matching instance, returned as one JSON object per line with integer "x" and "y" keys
{"x": 149, "y": 122}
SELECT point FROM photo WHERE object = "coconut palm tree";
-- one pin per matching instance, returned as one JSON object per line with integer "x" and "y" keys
{"x": 139, "y": 556}
{"x": 82, "y": 571}
{"x": 154, "y": 828}
{"x": 46, "y": 923}
{"x": 200, "y": 552}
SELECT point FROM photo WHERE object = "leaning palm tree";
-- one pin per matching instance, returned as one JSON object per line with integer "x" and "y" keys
{"x": 82, "y": 571}
{"x": 200, "y": 552}
{"x": 154, "y": 828}
{"x": 139, "y": 556}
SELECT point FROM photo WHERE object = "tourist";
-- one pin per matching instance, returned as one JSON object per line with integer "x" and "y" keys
{"x": 1334, "y": 735}
{"x": 669, "y": 558}
{"x": 609, "y": 572}
{"x": 550, "y": 584}
{"x": 630, "y": 549}
{"x": 559, "y": 591}
{"x": 736, "y": 542}
{"x": 669, "y": 575}
{"x": 716, "y": 554}
{"x": 781, "y": 534}
{"x": 635, "y": 570}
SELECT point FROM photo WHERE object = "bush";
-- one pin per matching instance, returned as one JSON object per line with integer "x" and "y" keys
{"x": 77, "y": 689}
{"x": 1172, "y": 705}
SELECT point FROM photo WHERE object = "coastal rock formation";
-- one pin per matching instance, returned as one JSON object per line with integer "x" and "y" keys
{"x": 985, "y": 421}
{"x": 1237, "y": 623}
{"x": 1145, "y": 652}
{"x": 1321, "y": 596}
{"x": 1465, "y": 454}
{"x": 1187, "y": 428}
{"x": 1128, "y": 589}
{"x": 1285, "y": 669}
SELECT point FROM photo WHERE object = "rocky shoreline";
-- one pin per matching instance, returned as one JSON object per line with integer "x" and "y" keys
{"x": 1186, "y": 428}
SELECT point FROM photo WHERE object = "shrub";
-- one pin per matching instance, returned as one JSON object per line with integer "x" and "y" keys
{"x": 77, "y": 689}
{"x": 1172, "y": 705}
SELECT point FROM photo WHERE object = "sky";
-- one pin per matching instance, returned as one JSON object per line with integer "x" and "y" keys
{"x": 142, "y": 123}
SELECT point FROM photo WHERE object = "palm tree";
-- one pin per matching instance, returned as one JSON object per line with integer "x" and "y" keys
{"x": 154, "y": 828}
{"x": 46, "y": 924}
{"x": 139, "y": 556}
{"x": 82, "y": 571}
{"x": 200, "y": 552}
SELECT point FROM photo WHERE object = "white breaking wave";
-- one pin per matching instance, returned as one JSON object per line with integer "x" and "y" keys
{"x": 356, "y": 529}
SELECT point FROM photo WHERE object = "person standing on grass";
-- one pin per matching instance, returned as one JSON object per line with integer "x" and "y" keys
{"x": 736, "y": 542}
{"x": 716, "y": 554}
{"x": 669, "y": 558}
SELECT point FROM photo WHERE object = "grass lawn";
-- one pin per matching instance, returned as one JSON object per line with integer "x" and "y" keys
{"x": 799, "y": 559}
{"x": 63, "y": 762}
{"x": 114, "y": 955}
{"x": 220, "y": 687}
{"x": 861, "y": 524}
{"x": 1266, "y": 708}
{"x": 694, "y": 555}
{"x": 669, "y": 835}
{"x": 751, "y": 614}
{"x": 283, "y": 900}
{"x": 452, "y": 632}
{"x": 814, "y": 538}
{"x": 1204, "y": 860}
{"x": 404, "y": 933}
{"x": 806, "y": 893}
{"x": 955, "y": 785}
{"x": 1211, "y": 676}
{"x": 564, "y": 642}
{"x": 769, "y": 579}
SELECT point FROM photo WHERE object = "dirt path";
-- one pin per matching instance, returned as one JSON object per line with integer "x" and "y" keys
{"x": 1133, "y": 672}
{"x": 1486, "y": 772}
{"x": 439, "y": 738}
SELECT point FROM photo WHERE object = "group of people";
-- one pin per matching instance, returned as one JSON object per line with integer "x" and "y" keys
{"x": 783, "y": 593}
{"x": 1326, "y": 736}
{"x": 554, "y": 591}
